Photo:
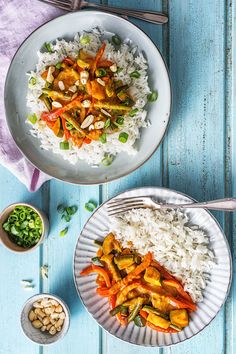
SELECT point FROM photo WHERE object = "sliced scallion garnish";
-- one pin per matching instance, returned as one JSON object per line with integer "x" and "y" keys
{"x": 90, "y": 206}
{"x": 120, "y": 120}
{"x": 32, "y": 81}
{"x": 116, "y": 40}
{"x": 32, "y": 118}
{"x": 123, "y": 137}
{"x": 152, "y": 97}
{"x": 103, "y": 138}
{"x": 135, "y": 74}
{"x": 48, "y": 47}
{"x": 107, "y": 123}
{"x": 108, "y": 159}
{"x": 63, "y": 232}
{"x": 85, "y": 39}
{"x": 133, "y": 112}
{"x": 58, "y": 66}
{"x": 64, "y": 145}
{"x": 60, "y": 208}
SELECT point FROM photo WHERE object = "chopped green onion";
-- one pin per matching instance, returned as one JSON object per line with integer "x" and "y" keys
{"x": 96, "y": 261}
{"x": 135, "y": 74}
{"x": 103, "y": 138}
{"x": 133, "y": 112}
{"x": 32, "y": 118}
{"x": 48, "y": 85}
{"x": 90, "y": 206}
{"x": 116, "y": 40}
{"x": 58, "y": 66}
{"x": 152, "y": 97}
{"x": 24, "y": 226}
{"x": 32, "y": 81}
{"x": 60, "y": 208}
{"x": 107, "y": 123}
{"x": 64, "y": 145}
{"x": 119, "y": 70}
{"x": 85, "y": 39}
{"x": 66, "y": 217}
{"x": 127, "y": 101}
{"x": 123, "y": 137}
{"x": 120, "y": 120}
{"x": 139, "y": 321}
{"x": 48, "y": 47}
{"x": 63, "y": 232}
{"x": 108, "y": 159}
{"x": 69, "y": 126}
{"x": 100, "y": 72}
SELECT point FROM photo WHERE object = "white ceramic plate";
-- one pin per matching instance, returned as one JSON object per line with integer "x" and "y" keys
{"x": 16, "y": 88}
{"x": 215, "y": 293}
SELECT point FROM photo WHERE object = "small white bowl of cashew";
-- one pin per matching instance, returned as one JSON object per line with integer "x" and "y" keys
{"x": 45, "y": 318}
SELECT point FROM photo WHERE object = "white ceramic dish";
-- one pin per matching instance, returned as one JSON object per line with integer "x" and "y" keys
{"x": 15, "y": 98}
{"x": 34, "y": 334}
{"x": 214, "y": 295}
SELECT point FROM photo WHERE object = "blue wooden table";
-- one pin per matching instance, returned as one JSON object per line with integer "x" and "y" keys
{"x": 197, "y": 157}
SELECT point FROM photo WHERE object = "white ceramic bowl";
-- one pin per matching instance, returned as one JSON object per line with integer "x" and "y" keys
{"x": 4, "y": 237}
{"x": 15, "y": 98}
{"x": 34, "y": 334}
{"x": 214, "y": 295}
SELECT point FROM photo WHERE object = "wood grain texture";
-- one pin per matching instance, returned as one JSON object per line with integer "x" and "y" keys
{"x": 198, "y": 157}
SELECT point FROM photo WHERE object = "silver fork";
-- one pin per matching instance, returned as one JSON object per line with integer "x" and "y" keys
{"x": 121, "y": 205}
{"x": 74, "y": 5}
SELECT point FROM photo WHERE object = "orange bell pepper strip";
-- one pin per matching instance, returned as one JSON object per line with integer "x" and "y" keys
{"x": 56, "y": 127}
{"x": 98, "y": 58}
{"x": 159, "y": 329}
{"x": 122, "y": 295}
{"x": 99, "y": 270}
{"x": 164, "y": 273}
{"x": 175, "y": 284}
{"x": 69, "y": 61}
{"x": 66, "y": 131}
{"x": 99, "y": 252}
{"x": 87, "y": 140}
{"x": 105, "y": 63}
{"x": 132, "y": 275}
{"x": 112, "y": 301}
{"x": 53, "y": 115}
{"x": 121, "y": 319}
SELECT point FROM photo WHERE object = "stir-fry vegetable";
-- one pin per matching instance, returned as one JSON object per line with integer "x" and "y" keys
{"x": 139, "y": 289}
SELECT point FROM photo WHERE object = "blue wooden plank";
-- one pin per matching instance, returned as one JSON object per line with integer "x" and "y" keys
{"x": 14, "y": 268}
{"x": 149, "y": 174}
{"x": 195, "y": 157}
{"x": 58, "y": 255}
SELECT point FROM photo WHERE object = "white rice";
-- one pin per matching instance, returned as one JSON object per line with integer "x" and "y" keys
{"x": 129, "y": 59}
{"x": 182, "y": 249}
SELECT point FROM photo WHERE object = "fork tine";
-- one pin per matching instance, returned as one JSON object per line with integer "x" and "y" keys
{"x": 57, "y": 3}
{"x": 110, "y": 206}
{"x": 125, "y": 200}
{"x": 121, "y": 210}
{"x": 124, "y": 206}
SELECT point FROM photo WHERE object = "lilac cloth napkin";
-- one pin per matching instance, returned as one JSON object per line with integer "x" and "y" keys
{"x": 17, "y": 20}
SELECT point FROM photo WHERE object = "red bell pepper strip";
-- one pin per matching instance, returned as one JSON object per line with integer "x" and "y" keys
{"x": 159, "y": 329}
{"x": 66, "y": 131}
{"x": 144, "y": 314}
{"x": 164, "y": 273}
{"x": 105, "y": 63}
{"x": 181, "y": 303}
{"x": 112, "y": 301}
{"x": 69, "y": 61}
{"x": 103, "y": 292}
{"x": 99, "y": 270}
{"x": 175, "y": 284}
{"x": 53, "y": 115}
{"x": 87, "y": 140}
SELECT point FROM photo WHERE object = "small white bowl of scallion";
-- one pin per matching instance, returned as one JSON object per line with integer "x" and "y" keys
{"x": 23, "y": 227}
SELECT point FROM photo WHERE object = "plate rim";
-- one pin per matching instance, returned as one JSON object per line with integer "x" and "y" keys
{"x": 227, "y": 246}
{"x": 79, "y": 13}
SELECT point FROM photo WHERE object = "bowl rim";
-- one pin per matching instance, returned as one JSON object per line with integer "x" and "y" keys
{"x": 55, "y": 297}
{"x": 40, "y": 213}
{"x": 227, "y": 246}
{"x": 122, "y": 19}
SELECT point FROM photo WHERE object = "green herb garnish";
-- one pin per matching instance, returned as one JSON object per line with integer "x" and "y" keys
{"x": 152, "y": 97}
{"x": 123, "y": 137}
{"x": 135, "y": 74}
{"x": 116, "y": 40}
{"x": 32, "y": 118}
{"x": 63, "y": 232}
{"x": 24, "y": 226}
{"x": 64, "y": 145}
{"x": 133, "y": 112}
{"x": 90, "y": 206}
{"x": 85, "y": 39}
{"x": 120, "y": 120}
{"x": 48, "y": 47}
{"x": 103, "y": 138}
